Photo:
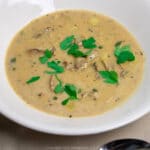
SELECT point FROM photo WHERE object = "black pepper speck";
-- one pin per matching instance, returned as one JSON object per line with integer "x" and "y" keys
{"x": 70, "y": 116}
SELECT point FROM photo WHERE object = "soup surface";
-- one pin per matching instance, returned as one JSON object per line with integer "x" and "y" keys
{"x": 74, "y": 63}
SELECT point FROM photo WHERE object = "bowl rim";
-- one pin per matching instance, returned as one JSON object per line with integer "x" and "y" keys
{"x": 61, "y": 131}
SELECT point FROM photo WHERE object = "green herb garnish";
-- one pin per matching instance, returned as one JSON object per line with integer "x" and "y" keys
{"x": 47, "y": 54}
{"x": 67, "y": 42}
{"x": 65, "y": 102}
{"x": 59, "y": 87}
{"x": 125, "y": 56}
{"x": 43, "y": 59}
{"x": 110, "y": 77}
{"x": 33, "y": 79}
{"x": 56, "y": 67}
{"x": 89, "y": 43}
{"x": 123, "y": 53}
{"x": 71, "y": 90}
{"x": 74, "y": 50}
{"x": 119, "y": 49}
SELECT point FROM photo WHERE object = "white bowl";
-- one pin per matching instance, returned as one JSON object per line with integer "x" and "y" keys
{"x": 135, "y": 15}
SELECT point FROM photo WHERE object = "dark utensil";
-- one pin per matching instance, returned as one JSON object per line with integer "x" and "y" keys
{"x": 126, "y": 144}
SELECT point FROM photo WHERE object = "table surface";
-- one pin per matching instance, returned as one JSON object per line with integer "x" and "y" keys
{"x": 16, "y": 137}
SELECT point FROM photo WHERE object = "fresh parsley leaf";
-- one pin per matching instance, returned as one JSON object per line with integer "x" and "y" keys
{"x": 43, "y": 60}
{"x": 89, "y": 43}
{"x": 110, "y": 77}
{"x": 55, "y": 66}
{"x": 65, "y": 102}
{"x": 119, "y": 49}
{"x": 67, "y": 42}
{"x": 77, "y": 53}
{"x": 59, "y": 88}
{"x": 125, "y": 56}
{"x": 48, "y": 53}
{"x": 33, "y": 79}
{"x": 74, "y": 50}
{"x": 71, "y": 90}
{"x": 123, "y": 53}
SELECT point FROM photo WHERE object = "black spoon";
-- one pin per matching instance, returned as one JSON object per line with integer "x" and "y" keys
{"x": 126, "y": 144}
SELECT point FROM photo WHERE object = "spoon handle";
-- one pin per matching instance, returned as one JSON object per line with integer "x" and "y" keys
{"x": 128, "y": 144}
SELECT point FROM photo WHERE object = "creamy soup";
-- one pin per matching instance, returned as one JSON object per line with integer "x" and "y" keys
{"x": 74, "y": 63}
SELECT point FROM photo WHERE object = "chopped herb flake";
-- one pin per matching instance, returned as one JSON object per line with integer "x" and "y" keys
{"x": 67, "y": 42}
{"x": 71, "y": 90}
{"x": 65, "y": 102}
{"x": 123, "y": 53}
{"x": 119, "y": 50}
{"x": 33, "y": 79}
{"x": 55, "y": 66}
{"x": 59, "y": 88}
{"x": 74, "y": 50}
{"x": 125, "y": 56}
{"x": 13, "y": 60}
{"x": 43, "y": 60}
{"x": 89, "y": 43}
{"x": 110, "y": 77}
{"x": 48, "y": 53}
